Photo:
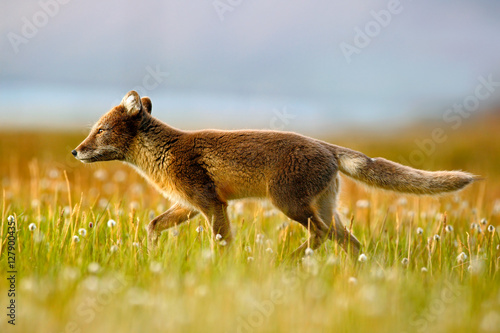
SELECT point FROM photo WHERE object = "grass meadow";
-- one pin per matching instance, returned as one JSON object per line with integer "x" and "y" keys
{"x": 430, "y": 264}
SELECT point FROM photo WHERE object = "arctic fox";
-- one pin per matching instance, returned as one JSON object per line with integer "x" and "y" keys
{"x": 202, "y": 170}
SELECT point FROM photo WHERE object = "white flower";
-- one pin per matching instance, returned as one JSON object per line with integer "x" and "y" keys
{"x": 496, "y": 207}
{"x": 248, "y": 249}
{"x": 423, "y": 269}
{"x": 11, "y": 219}
{"x": 437, "y": 238}
{"x": 402, "y": 201}
{"x": 103, "y": 202}
{"x": 449, "y": 229}
{"x": 239, "y": 208}
{"x": 332, "y": 260}
{"x": 120, "y": 176}
{"x": 32, "y": 227}
{"x": 155, "y": 267}
{"x": 491, "y": 228}
{"x": 67, "y": 210}
{"x": 206, "y": 254}
{"x": 362, "y": 203}
{"x": 282, "y": 226}
{"x": 311, "y": 265}
{"x": 82, "y": 232}
{"x": 461, "y": 257}
{"x": 353, "y": 280}
{"x": 362, "y": 257}
{"x": 218, "y": 237}
{"x": 114, "y": 248}
{"x": 484, "y": 221}
{"x": 38, "y": 237}
{"x": 476, "y": 266}
{"x": 223, "y": 242}
{"x": 111, "y": 223}
{"x": 250, "y": 259}
{"x": 490, "y": 322}
{"x": 405, "y": 262}
{"x": 259, "y": 238}
{"x": 70, "y": 273}
{"x": 420, "y": 231}
{"x": 309, "y": 251}
{"x": 474, "y": 226}
{"x": 76, "y": 239}
{"x": 93, "y": 267}
{"x": 199, "y": 229}
{"x": 269, "y": 250}
{"x": 270, "y": 213}
{"x": 136, "y": 245}
{"x": 101, "y": 174}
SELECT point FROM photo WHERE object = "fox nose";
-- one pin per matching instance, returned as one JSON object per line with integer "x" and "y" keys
{"x": 74, "y": 152}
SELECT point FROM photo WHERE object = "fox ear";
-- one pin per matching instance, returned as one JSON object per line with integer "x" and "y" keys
{"x": 132, "y": 103}
{"x": 146, "y": 104}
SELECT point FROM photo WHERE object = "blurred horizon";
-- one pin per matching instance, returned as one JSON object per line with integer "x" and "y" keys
{"x": 307, "y": 67}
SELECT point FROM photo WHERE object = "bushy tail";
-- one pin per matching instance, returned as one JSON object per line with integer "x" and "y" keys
{"x": 393, "y": 176}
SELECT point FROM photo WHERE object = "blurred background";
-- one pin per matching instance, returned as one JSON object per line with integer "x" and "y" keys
{"x": 313, "y": 67}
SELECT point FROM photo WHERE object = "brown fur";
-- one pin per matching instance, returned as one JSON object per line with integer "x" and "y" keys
{"x": 202, "y": 170}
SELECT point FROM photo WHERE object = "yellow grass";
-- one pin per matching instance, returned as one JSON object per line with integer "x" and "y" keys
{"x": 107, "y": 282}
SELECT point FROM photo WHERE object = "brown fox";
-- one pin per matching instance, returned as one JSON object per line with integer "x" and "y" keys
{"x": 202, "y": 170}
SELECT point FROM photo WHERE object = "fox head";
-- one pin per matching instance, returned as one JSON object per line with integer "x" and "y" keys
{"x": 110, "y": 138}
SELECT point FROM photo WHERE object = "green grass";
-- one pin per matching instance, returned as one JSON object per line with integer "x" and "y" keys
{"x": 107, "y": 282}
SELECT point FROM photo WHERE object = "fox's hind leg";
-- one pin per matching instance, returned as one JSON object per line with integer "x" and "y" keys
{"x": 318, "y": 231}
{"x": 326, "y": 203}
{"x": 295, "y": 197}
{"x": 177, "y": 214}
{"x": 302, "y": 211}
{"x": 347, "y": 240}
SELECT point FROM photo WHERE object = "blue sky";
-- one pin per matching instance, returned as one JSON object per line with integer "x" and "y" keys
{"x": 233, "y": 66}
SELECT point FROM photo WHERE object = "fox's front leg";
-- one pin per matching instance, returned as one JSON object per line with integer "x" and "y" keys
{"x": 177, "y": 214}
{"x": 216, "y": 215}
{"x": 220, "y": 223}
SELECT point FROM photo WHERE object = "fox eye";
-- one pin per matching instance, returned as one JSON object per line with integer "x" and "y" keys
{"x": 100, "y": 130}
